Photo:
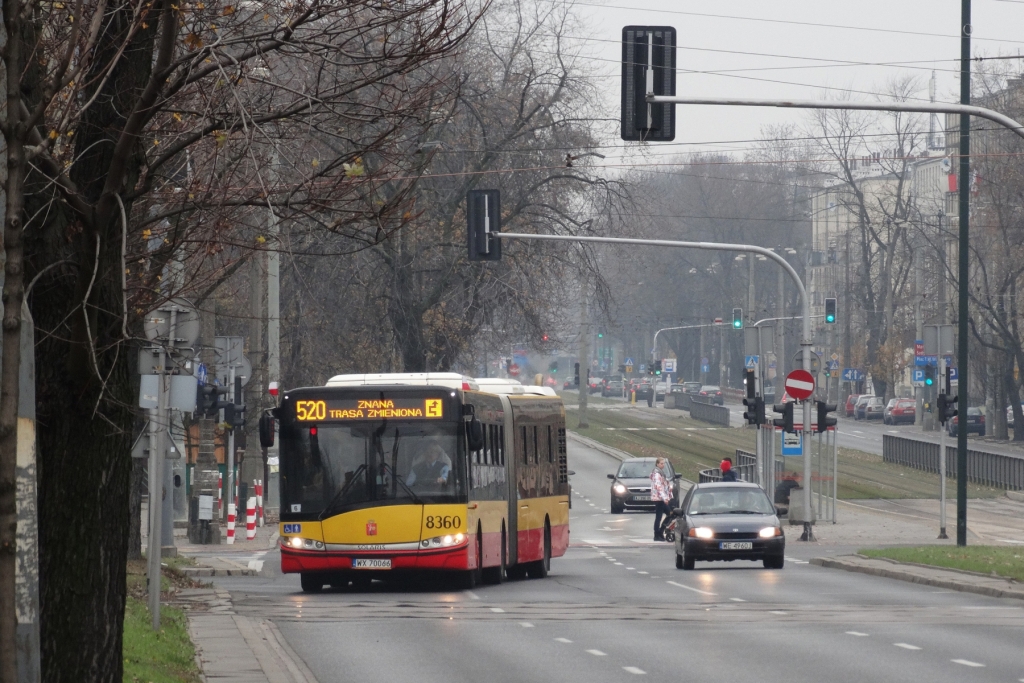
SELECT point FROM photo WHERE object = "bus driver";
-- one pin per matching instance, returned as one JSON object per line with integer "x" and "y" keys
{"x": 432, "y": 468}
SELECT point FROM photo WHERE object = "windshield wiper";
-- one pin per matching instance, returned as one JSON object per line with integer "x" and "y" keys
{"x": 747, "y": 512}
{"x": 341, "y": 492}
{"x": 395, "y": 479}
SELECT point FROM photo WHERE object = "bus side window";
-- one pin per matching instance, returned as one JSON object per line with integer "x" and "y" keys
{"x": 526, "y": 449}
{"x": 551, "y": 450}
{"x": 501, "y": 445}
{"x": 536, "y": 446}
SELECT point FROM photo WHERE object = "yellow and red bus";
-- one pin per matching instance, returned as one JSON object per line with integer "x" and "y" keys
{"x": 383, "y": 474}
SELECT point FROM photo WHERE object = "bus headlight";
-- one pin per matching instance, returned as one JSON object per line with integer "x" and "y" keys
{"x": 298, "y": 542}
{"x": 443, "y": 541}
{"x": 295, "y": 542}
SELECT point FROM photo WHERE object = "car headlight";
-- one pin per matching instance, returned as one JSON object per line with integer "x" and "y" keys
{"x": 702, "y": 532}
{"x": 619, "y": 488}
{"x": 770, "y": 531}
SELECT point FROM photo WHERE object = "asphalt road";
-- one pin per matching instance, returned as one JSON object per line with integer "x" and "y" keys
{"x": 615, "y": 608}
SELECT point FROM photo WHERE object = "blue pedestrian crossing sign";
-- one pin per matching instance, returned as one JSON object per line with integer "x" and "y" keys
{"x": 750, "y": 362}
{"x": 629, "y": 361}
{"x": 832, "y": 365}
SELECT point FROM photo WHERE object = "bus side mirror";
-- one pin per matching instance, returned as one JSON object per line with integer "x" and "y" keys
{"x": 266, "y": 431}
{"x": 475, "y": 434}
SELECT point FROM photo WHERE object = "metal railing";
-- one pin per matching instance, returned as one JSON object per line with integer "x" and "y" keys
{"x": 988, "y": 469}
{"x": 744, "y": 465}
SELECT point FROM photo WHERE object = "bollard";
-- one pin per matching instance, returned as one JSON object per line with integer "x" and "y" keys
{"x": 250, "y": 519}
{"x": 231, "y": 523}
{"x": 220, "y": 491}
{"x": 259, "y": 502}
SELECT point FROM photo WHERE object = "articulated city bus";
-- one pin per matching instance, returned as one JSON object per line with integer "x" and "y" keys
{"x": 419, "y": 472}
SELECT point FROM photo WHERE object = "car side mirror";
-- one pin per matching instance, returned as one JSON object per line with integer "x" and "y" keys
{"x": 611, "y": 476}
{"x": 779, "y": 512}
{"x": 678, "y": 477}
{"x": 266, "y": 431}
{"x": 678, "y": 512}
{"x": 475, "y": 434}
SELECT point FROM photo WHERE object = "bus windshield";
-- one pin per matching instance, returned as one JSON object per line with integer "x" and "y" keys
{"x": 329, "y": 468}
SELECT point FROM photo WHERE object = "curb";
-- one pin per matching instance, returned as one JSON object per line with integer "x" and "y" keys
{"x": 193, "y": 572}
{"x": 939, "y": 581}
{"x": 1016, "y": 495}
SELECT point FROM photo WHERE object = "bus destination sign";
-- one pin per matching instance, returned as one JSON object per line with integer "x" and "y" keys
{"x": 319, "y": 410}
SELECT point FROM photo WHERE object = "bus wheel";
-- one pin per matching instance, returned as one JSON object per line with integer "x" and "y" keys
{"x": 496, "y": 575}
{"x": 311, "y": 583}
{"x": 540, "y": 568}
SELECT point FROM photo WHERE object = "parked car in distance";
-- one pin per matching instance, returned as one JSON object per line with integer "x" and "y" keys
{"x": 900, "y": 410}
{"x": 729, "y": 521}
{"x": 567, "y": 384}
{"x": 612, "y": 387}
{"x": 643, "y": 389}
{"x": 975, "y": 423}
{"x": 661, "y": 388}
{"x": 862, "y": 403}
{"x": 875, "y": 408}
{"x": 851, "y": 403}
{"x": 713, "y": 394}
{"x": 768, "y": 392}
{"x": 1009, "y": 414}
{"x": 595, "y": 385}
{"x": 631, "y": 484}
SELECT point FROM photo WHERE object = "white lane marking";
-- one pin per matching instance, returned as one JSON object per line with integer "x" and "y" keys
{"x": 652, "y": 429}
{"x": 856, "y": 633}
{"x": 643, "y": 572}
{"x": 775, "y": 611}
{"x": 631, "y": 568}
{"x": 856, "y": 437}
{"x": 472, "y": 595}
{"x": 967, "y": 662}
{"x": 670, "y": 429}
{"x": 618, "y": 564}
{"x": 632, "y": 429}
{"x": 597, "y": 653}
{"x": 634, "y": 670}
{"x": 591, "y": 505}
{"x": 525, "y": 624}
{"x": 256, "y": 565}
{"x": 737, "y": 599}
{"x": 690, "y": 429}
{"x": 907, "y": 646}
{"x": 497, "y": 610}
{"x": 563, "y": 640}
{"x": 689, "y": 588}
{"x": 796, "y": 561}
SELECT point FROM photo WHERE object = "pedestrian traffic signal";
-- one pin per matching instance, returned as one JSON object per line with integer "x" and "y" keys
{"x": 830, "y": 311}
{"x": 824, "y": 421}
{"x": 929, "y": 375}
{"x": 786, "y": 422}
{"x": 947, "y": 407}
{"x": 648, "y": 65}
{"x": 483, "y": 219}
{"x": 737, "y": 318}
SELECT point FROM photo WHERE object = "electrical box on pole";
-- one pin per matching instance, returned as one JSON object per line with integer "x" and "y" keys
{"x": 648, "y": 66}
{"x": 483, "y": 220}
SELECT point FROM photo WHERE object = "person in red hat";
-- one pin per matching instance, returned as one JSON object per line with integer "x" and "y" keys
{"x": 727, "y": 472}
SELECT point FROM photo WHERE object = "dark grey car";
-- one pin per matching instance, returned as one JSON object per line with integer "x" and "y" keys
{"x": 728, "y": 521}
{"x": 631, "y": 484}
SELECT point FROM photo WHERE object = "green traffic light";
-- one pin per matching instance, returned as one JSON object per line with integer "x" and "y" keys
{"x": 830, "y": 318}
{"x": 600, "y": 335}
{"x": 737, "y": 324}
{"x": 929, "y": 381}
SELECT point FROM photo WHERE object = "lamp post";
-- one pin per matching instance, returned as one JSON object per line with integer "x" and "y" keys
{"x": 780, "y": 313}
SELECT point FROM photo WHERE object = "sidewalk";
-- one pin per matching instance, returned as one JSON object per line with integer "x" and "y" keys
{"x": 242, "y": 558}
{"x": 237, "y": 649}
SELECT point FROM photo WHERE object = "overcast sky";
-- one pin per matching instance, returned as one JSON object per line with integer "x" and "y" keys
{"x": 800, "y": 49}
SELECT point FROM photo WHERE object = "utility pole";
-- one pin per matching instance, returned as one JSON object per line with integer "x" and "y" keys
{"x": 919, "y": 329}
{"x": 780, "y": 313}
{"x": 584, "y": 354}
{"x": 963, "y": 194}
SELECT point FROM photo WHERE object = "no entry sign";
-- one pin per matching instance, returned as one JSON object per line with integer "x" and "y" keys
{"x": 800, "y": 384}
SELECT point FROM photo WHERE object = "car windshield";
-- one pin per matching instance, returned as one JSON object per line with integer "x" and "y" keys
{"x": 331, "y": 468}
{"x": 635, "y": 470}
{"x": 725, "y": 501}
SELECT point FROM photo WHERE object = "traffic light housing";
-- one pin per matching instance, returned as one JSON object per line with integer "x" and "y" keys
{"x": 750, "y": 381}
{"x": 648, "y": 56}
{"x": 824, "y": 420}
{"x": 208, "y": 403}
{"x": 553, "y": 366}
{"x": 622, "y": 368}
{"x": 929, "y": 375}
{"x": 483, "y": 220}
{"x": 657, "y": 366}
{"x": 786, "y": 422}
{"x": 576, "y": 375}
{"x": 947, "y": 407}
{"x": 737, "y": 318}
{"x": 830, "y": 311}
{"x": 755, "y": 410}
{"x": 600, "y": 334}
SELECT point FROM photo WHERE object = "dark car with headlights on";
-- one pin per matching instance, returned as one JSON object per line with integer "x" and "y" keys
{"x": 631, "y": 485}
{"x": 728, "y": 521}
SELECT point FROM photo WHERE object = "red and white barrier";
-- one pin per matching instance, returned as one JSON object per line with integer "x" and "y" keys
{"x": 259, "y": 502}
{"x": 250, "y": 518}
{"x": 231, "y": 523}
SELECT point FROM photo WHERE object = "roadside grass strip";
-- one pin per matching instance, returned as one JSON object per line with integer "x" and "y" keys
{"x": 1007, "y": 562}
{"x": 164, "y": 656}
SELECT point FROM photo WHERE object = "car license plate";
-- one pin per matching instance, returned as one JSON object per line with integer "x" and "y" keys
{"x": 736, "y": 545}
{"x": 641, "y": 497}
{"x": 371, "y": 564}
